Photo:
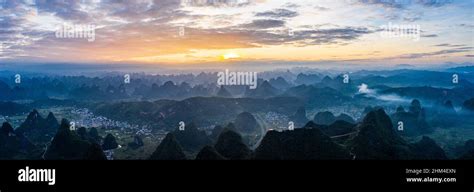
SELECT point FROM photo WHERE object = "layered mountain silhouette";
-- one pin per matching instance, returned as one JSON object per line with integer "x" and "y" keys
{"x": 457, "y": 94}
{"x": 414, "y": 120}
{"x": 92, "y": 136}
{"x": 16, "y": 146}
{"x": 327, "y": 118}
{"x": 116, "y": 92}
{"x": 82, "y": 132}
{"x": 37, "y": 128}
{"x": 191, "y": 139}
{"x": 170, "y": 90}
{"x": 445, "y": 115}
{"x": 306, "y": 143}
{"x": 299, "y": 118}
{"x": 17, "y": 92}
{"x": 337, "y": 83}
{"x": 263, "y": 90}
{"x": 89, "y": 92}
{"x": 246, "y": 123}
{"x": 68, "y": 145}
{"x": 374, "y": 138}
{"x": 280, "y": 94}
{"x": 216, "y": 132}
{"x": 368, "y": 109}
{"x": 316, "y": 97}
{"x": 204, "y": 111}
{"x": 223, "y": 92}
{"x": 339, "y": 128}
{"x": 377, "y": 139}
{"x": 307, "y": 79}
{"x": 427, "y": 149}
{"x": 279, "y": 83}
{"x": 230, "y": 145}
{"x": 169, "y": 149}
{"x": 95, "y": 153}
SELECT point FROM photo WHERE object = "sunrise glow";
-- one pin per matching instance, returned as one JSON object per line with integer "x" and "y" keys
{"x": 157, "y": 32}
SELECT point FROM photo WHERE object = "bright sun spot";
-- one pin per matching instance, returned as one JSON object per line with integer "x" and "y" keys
{"x": 230, "y": 56}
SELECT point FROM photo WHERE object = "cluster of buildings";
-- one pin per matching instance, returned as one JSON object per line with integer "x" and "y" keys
{"x": 276, "y": 121}
{"x": 85, "y": 118}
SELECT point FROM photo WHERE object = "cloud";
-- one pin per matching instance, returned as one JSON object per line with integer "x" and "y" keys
{"x": 220, "y": 3}
{"x": 159, "y": 11}
{"x": 135, "y": 28}
{"x": 412, "y": 17}
{"x": 320, "y": 8}
{"x": 68, "y": 10}
{"x": 434, "y": 3}
{"x": 429, "y": 35}
{"x": 384, "y": 3}
{"x": 10, "y": 4}
{"x": 291, "y": 5}
{"x": 278, "y": 13}
{"x": 364, "y": 89}
{"x": 316, "y": 36}
{"x": 401, "y": 4}
{"x": 436, "y": 53}
{"x": 263, "y": 24}
{"x": 449, "y": 45}
{"x": 146, "y": 28}
{"x": 470, "y": 26}
{"x": 303, "y": 37}
{"x": 370, "y": 93}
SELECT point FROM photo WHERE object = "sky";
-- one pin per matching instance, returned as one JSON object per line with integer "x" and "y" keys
{"x": 231, "y": 32}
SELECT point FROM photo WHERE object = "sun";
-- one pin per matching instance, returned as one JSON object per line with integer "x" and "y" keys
{"x": 228, "y": 56}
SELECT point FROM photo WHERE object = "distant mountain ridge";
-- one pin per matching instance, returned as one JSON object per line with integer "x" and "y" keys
{"x": 204, "y": 111}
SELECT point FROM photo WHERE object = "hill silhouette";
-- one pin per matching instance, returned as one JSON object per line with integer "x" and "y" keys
{"x": 68, "y": 145}
{"x": 169, "y": 149}
{"x": 306, "y": 143}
